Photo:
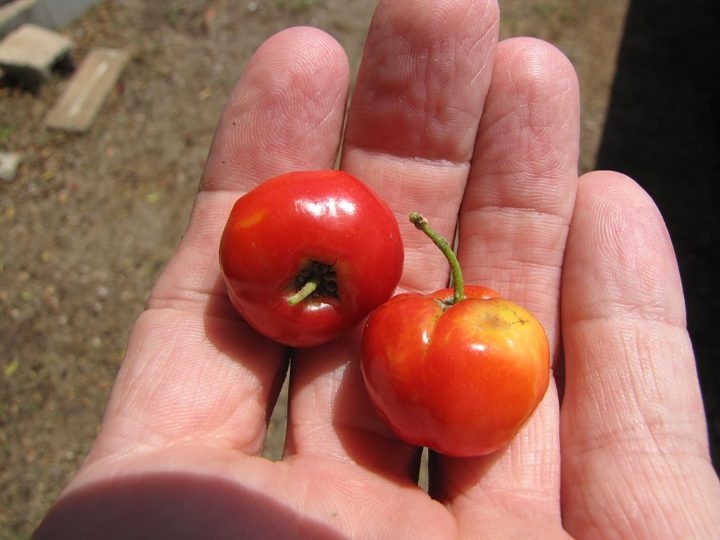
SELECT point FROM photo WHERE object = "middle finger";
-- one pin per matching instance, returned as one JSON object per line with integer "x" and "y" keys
{"x": 410, "y": 135}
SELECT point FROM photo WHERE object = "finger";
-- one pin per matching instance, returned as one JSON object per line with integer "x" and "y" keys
{"x": 512, "y": 233}
{"x": 635, "y": 450}
{"x": 414, "y": 116}
{"x": 410, "y": 134}
{"x": 520, "y": 197}
{"x": 193, "y": 369}
{"x": 285, "y": 114}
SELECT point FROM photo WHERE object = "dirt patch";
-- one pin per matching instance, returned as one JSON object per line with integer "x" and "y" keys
{"x": 90, "y": 220}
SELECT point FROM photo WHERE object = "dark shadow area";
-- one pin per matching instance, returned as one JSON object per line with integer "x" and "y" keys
{"x": 174, "y": 505}
{"x": 663, "y": 129}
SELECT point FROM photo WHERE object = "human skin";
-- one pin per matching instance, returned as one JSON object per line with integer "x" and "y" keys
{"x": 448, "y": 122}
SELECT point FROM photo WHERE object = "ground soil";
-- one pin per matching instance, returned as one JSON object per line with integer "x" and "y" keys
{"x": 90, "y": 220}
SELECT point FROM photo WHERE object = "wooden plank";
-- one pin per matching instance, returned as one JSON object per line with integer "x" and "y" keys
{"x": 79, "y": 104}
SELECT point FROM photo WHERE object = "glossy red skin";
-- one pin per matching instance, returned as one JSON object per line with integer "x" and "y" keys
{"x": 461, "y": 380}
{"x": 326, "y": 216}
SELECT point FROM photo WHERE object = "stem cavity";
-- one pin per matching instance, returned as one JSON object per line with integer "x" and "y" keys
{"x": 315, "y": 280}
{"x": 458, "y": 284}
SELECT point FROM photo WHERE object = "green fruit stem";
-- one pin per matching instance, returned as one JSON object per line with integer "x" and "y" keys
{"x": 458, "y": 285}
{"x": 305, "y": 291}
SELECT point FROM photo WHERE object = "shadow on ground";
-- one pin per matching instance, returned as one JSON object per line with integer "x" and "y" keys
{"x": 663, "y": 129}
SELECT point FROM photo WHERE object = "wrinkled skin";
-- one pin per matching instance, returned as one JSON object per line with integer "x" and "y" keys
{"x": 446, "y": 121}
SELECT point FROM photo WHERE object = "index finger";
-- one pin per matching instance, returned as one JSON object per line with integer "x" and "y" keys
{"x": 193, "y": 368}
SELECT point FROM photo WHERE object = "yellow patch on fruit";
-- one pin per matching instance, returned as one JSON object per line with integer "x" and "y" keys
{"x": 251, "y": 220}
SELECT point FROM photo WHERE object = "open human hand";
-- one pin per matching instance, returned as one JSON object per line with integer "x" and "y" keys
{"x": 475, "y": 134}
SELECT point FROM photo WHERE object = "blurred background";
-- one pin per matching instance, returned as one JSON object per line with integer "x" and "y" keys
{"x": 88, "y": 220}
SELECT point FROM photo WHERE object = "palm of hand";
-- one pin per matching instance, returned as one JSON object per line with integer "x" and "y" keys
{"x": 446, "y": 121}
